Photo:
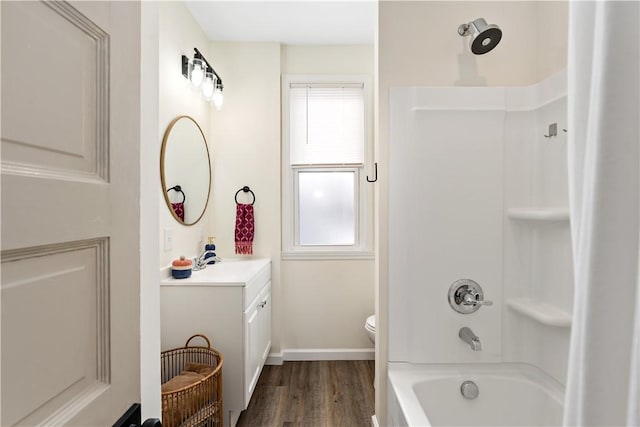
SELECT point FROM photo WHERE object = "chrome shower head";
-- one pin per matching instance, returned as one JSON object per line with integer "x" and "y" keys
{"x": 484, "y": 37}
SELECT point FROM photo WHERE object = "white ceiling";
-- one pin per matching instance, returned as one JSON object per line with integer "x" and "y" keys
{"x": 287, "y": 22}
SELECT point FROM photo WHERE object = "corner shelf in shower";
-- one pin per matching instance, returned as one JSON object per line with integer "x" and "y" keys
{"x": 542, "y": 215}
{"x": 541, "y": 312}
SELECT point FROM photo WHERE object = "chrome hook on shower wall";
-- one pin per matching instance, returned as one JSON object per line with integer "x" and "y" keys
{"x": 553, "y": 130}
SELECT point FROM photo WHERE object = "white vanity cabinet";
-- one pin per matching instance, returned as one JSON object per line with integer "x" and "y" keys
{"x": 229, "y": 302}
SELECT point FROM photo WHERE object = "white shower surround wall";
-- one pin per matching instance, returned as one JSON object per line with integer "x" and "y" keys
{"x": 538, "y": 265}
{"x": 445, "y": 220}
{"x": 478, "y": 192}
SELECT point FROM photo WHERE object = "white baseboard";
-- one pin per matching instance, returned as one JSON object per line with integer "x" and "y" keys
{"x": 302, "y": 354}
{"x": 374, "y": 421}
{"x": 274, "y": 359}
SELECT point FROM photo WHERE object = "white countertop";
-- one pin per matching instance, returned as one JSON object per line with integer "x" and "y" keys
{"x": 228, "y": 272}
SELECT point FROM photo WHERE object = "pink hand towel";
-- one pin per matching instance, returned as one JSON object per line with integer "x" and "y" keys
{"x": 245, "y": 229}
{"x": 178, "y": 208}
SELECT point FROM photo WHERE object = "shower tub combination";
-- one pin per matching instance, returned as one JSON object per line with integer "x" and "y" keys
{"x": 486, "y": 144}
{"x": 506, "y": 395}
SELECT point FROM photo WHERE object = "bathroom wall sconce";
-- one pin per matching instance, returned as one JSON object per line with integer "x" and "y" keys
{"x": 201, "y": 74}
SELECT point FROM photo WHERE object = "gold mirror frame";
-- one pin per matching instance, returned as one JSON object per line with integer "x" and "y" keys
{"x": 163, "y": 153}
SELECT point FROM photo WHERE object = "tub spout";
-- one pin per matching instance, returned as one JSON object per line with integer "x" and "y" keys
{"x": 470, "y": 338}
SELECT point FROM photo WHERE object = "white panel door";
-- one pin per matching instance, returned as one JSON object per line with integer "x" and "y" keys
{"x": 70, "y": 212}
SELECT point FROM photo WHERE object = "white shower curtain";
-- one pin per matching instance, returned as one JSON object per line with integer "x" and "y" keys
{"x": 604, "y": 95}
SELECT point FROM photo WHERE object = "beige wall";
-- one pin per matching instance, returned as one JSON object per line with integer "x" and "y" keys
{"x": 356, "y": 59}
{"x": 245, "y": 140}
{"x": 421, "y": 46}
{"x": 179, "y": 34}
{"x": 552, "y": 20}
{"x": 169, "y": 31}
{"x": 245, "y": 136}
{"x": 316, "y": 304}
{"x": 325, "y": 303}
{"x": 418, "y": 45}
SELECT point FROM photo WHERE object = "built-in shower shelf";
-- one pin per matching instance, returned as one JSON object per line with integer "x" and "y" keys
{"x": 542, "y": 312}
{"x": 532, "y": 214}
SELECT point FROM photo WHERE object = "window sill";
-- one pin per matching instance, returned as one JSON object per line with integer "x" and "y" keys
{"x": 326, "y": 255}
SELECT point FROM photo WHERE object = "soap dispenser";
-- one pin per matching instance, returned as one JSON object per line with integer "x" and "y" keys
{"x": 210, "y": 247}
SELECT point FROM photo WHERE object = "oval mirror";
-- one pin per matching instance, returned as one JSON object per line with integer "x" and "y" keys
{"x": 185, "y": 170}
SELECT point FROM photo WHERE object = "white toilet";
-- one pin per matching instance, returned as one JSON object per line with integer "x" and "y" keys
{"x": 370, "y": 327}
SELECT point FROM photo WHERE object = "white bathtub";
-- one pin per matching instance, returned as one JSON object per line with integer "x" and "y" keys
{"x": 510, "y": 395}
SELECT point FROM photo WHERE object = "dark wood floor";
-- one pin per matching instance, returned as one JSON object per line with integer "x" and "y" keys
{"x": 320, "y": 393}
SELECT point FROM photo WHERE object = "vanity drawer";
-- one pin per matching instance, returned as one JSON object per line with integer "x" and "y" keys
{"x": 256, "y": 285}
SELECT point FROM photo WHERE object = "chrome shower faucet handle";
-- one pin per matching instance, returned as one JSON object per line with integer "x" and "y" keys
{"x": 466, "y": 296}
{"x": 472, "y": 298}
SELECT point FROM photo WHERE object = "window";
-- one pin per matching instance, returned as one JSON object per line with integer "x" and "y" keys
{"x": 327, "y": 207}
{"x": 327, "y": 204}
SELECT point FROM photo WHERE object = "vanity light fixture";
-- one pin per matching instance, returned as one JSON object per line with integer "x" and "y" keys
{"x": 201, "y": 74}
{"x": 197, "y": 72}
{"x": 208, "y": 85}
{"x": 217, "y": 95}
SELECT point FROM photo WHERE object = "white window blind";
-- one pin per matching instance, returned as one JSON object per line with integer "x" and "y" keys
{"x": 327, "y": 124}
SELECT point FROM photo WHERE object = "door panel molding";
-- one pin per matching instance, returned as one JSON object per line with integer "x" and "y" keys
{"x": 84, "y": 156}
{"x": 87, "y": 372}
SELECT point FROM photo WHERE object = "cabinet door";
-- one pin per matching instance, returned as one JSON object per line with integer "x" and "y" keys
{"x": 252, "y": 351}
{"x": 264, "y": 314}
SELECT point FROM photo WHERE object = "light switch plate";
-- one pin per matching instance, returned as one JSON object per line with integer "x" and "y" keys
{"x": 168, "y": 239}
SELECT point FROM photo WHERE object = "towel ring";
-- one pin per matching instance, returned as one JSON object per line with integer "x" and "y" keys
{"x": 179, "y": 190}
{"x": 246, "y": 189}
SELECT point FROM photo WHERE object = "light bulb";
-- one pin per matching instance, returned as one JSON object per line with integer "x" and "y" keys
{"x": 218, "y": 98}
{"x": 208, "y": 85}
{"x": 197, "y": 72}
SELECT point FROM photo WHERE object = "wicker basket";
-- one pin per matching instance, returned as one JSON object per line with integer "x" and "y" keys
{"x": 199, "y": 404}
